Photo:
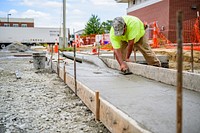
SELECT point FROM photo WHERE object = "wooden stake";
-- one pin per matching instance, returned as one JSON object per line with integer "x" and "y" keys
{"x": 179, "y": 73}
{"x": 58, "y": 64}
{"x": 97, "y": 118}
{"x": 134, "y": 55}
{"x": 192, "y": 58}
{"x": 51, "y": 56}
{"x": 75, "y": 69}
{"x": 64, "y": 73}
{"x": 98, "y": 46}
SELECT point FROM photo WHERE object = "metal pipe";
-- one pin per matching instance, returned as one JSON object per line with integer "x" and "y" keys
{"x": 179, "y": 73}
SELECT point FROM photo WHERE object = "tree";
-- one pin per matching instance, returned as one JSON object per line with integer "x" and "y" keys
{"x": 94, "y": 26}
{"x": 106, "y": 26}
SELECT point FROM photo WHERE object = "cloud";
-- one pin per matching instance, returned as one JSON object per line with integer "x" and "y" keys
{"x": 35, "y": 14}
{"x": 76, "y": 26}
{"x": 2, "y": 13}
{"x": 41, "y": 3}
{"x": 28, "y": 2}
{"x": 77, "y": 12}
{"x": 103, "y": 2}
{"x": 13, "y": 11}
{"x": 48, "y": 13}
{"x": 54, "y": 4}
{"x": 42, "y": 19}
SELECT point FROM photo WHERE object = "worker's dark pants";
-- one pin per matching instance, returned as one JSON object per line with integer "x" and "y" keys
{"x": 143, "y": 46}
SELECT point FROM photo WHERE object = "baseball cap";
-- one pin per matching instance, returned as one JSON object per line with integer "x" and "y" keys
{"x": 118, "y": 25}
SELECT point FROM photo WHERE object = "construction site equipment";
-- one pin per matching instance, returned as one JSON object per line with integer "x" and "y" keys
{"x": 126, "y": 72}
{"x": 39, "y": 60}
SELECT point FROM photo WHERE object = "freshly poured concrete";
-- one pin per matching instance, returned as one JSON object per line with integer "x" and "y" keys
{"x": 152, "y": 104}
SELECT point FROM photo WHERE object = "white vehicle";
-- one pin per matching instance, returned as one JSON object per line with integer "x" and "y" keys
{"x": 28, "y": 35}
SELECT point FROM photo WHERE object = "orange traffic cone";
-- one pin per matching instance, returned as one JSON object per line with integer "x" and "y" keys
{"x": 56, "y": 48}
{"x": 155, "y": 35}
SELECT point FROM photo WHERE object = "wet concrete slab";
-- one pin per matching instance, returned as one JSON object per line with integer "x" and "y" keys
{"x": 152, "y": 104}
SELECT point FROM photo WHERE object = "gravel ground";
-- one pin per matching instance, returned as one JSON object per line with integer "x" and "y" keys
{"x": 39, "y": 101}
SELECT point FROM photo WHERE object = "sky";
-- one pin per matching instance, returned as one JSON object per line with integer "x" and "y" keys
{"x": 49, "y": 13}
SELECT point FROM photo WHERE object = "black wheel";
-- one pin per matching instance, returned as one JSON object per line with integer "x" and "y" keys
{"x": 2, "y": 46}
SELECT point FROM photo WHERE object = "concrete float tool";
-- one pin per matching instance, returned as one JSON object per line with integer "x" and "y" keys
{"x": 126, "y": 72}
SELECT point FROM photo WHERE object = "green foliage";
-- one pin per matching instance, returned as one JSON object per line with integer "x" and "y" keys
{"x": 94, "y": 26}
{"x": 45, "y": 44}
{"x": 67, "y": 49}
{"x": 106, "y": 26}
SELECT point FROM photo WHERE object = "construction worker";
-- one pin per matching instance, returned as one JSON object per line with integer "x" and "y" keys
{"x": 127, "y": 33}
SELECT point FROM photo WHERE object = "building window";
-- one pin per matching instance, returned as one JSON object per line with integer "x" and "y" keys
{"x": 15, "y": 25}
{"x": 6, "y": 25}
{"x": 24, "y": 25}
{"x": 139, "y": 1}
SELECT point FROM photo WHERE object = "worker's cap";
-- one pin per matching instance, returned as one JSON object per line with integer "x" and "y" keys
{"x": 118, "y": 25}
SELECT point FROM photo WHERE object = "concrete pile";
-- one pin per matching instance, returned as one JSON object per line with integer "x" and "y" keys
{"x": 18, "y": 47}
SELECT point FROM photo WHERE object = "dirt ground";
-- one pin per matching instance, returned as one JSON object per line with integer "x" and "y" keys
{"x": 39, "y": 102}
{"x": 172, "y": 56}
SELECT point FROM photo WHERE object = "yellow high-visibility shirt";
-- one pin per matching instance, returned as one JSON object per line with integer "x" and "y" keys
{"x": 135, "y": 30}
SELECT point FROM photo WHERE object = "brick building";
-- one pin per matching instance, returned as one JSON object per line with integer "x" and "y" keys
{"x": 16, "y": 22}
{"x": 164, "y": 12}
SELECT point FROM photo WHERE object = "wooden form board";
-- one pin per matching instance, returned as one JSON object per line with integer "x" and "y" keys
{"x": 114, "y": 119}
{"x": 83, "y": 92}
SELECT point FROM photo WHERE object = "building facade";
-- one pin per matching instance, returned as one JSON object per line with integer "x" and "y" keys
{"x": 163, "y": 12}
{"x": 16, "y": 22}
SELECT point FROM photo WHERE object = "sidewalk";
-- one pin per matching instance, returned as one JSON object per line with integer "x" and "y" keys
{"x": 150, "y": 103}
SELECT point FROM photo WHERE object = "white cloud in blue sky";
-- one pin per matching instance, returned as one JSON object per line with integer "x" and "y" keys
{"x": 48, "y": 13}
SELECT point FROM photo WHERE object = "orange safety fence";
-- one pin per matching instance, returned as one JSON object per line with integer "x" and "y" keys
{"x": 89, "y": 39}
{"x": 158, "y": 38}
{"x": 191, "y": 35}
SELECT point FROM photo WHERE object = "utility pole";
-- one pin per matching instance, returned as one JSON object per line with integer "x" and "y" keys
{"x": 8, "y": 19}
{"x": 64, "y": 23}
